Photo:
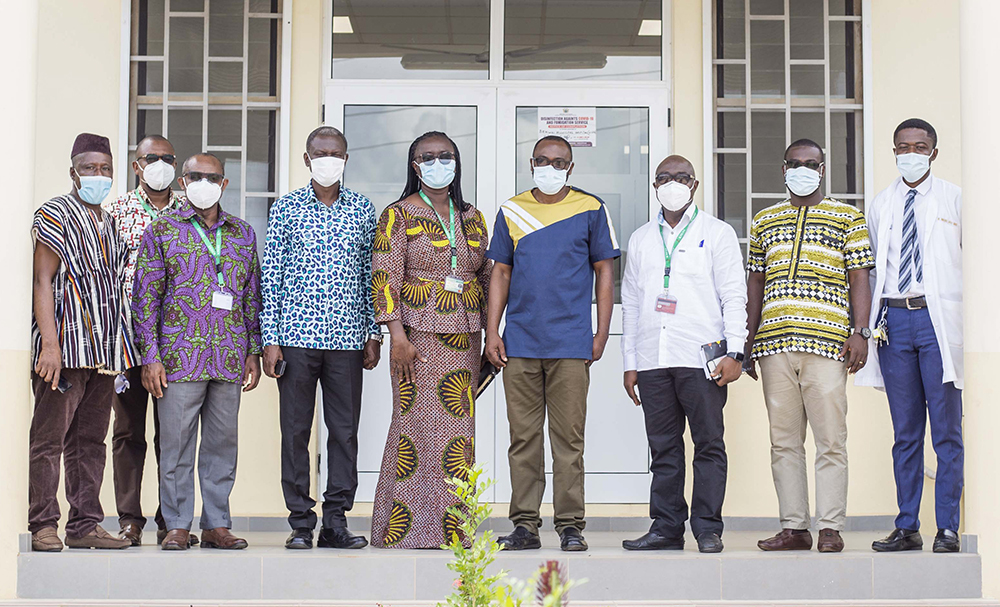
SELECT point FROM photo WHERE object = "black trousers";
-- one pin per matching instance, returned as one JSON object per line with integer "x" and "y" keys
{"x": 668, "y": 397}
{"x": 128, "y": 449}
{"x": 340, "y": 374}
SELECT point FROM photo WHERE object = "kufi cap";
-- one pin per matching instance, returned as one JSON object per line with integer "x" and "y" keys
{"x": 88, "y": 142}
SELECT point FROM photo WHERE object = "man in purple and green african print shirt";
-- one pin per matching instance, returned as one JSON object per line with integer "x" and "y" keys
{"x": 195, "y": 305}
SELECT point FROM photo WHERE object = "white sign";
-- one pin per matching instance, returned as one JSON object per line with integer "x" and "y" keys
{"x": 578, "y": 125}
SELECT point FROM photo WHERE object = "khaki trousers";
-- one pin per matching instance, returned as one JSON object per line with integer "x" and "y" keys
{"x": 798, "y": 388}
{"x": 534, "y": 387}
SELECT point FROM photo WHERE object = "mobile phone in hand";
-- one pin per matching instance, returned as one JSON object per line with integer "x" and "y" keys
{"x": 279, "y": 367}
{"x": 64, "y": 385}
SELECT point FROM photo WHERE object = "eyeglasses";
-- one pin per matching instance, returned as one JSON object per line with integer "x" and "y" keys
{"x": 428, "y": 158}
{"x": 151, "y": 158}
{"x": 193, "y": 176}
{"x": 809, "y": 164}
{"x": 681, "y": 178}
{"x": 558, "y": 164}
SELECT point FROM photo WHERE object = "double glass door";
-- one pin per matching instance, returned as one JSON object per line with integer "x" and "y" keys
{"x": 623, "y": 137}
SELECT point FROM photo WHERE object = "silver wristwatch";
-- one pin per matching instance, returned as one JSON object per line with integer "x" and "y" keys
{"x": 377, "y": 337}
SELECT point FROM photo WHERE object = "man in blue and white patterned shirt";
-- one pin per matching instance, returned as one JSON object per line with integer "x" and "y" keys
{"x": 319, "y": 321}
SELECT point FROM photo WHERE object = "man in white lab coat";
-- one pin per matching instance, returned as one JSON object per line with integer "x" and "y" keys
{"x": 915, "y": 226}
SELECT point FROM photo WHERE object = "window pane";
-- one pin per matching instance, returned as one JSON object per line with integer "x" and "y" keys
{"x": 264, "y": 6}
{"x": 767, "y": 58}
{"x": 146, "y": 122}
{"x": 380, "y": 137}
{"x": 845, "y": 54}
{"x": 148, "y": 77}
{"x": 845, "y": 7}
{"x": 187, "y": 47}
{"x": 844, "y": 158}
{"x": 731, "y": 81}
{"x": 262, "y": 135}
{"x": 768, "y": 146}
{"x": 257, "y": 211}
{"x": 187, "y": 5}
{"x": 806, "y": 29}
{"x": 225, "y": 77}
{"x": 582, "y": 39}
{"x": 225, "y": 28}
{"x": 231, "y": 197}
{"x": 809, "y": 125}
{"x": 184, "y": 132}
{"x": 225, "y": 127}
{"x": 807, "y": 80}
{"x": 732, "y": 129}
{"x": 411, "y": 39}
{"x": 262, "y": 79}
{"x": 730, "y": 33}
{"x": 147, "y": 28}
{"x": 732, "y": 191}
{"x": 768, "y": 7}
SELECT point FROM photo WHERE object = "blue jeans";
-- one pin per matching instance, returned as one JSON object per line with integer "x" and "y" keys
{"x": 911, "y": 368}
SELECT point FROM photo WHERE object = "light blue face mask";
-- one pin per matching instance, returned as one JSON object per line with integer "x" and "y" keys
{"x": 94, "y": 188}
{"x": 437, "y": 175}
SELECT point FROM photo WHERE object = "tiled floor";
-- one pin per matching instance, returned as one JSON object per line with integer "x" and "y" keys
{"x": 268, "y": 572}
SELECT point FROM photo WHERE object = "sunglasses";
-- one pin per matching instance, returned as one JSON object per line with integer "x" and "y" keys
{"x": 193, "y": 176}
{"x": 681, "y": 178}
{"x": 428, "y": 158}
{"x": 151, "y": 158}
{"x": 809, "y": 164}
{"x": 559, "y": 164}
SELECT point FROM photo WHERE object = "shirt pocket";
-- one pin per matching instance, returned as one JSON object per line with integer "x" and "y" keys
{"x": 691, "y": 260}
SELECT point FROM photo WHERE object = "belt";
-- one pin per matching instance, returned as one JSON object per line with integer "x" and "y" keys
{"x": 910, "y": 303}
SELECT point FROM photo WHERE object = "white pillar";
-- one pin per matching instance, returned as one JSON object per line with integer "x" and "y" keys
{"x": 18, "y": 48}
{"x": 980, "y": 46}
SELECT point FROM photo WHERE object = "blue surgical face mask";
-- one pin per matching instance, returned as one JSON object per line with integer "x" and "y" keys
{"x": 437, "y": 175}
{"x": 94, "y": 189}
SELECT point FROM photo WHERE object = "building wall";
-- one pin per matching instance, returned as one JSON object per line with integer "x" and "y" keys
{"x": 79, "y": 91}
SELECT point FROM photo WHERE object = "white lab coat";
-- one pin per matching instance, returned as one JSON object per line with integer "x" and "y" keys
{"x": 941, "y": 249}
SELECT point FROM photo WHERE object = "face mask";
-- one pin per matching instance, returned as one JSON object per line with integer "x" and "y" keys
{"x": 673, "y": 196}
{"x": 438, "y": 175}
{"x": 913, "y": 166}
{"x": 94, "y": 189}
{"x": 549, "y": 180}
{"x": 203, "y": 194}
{"x": 327, "y": 170}
{"x": 802, "y": 181}
{"x": 158, "y": 175}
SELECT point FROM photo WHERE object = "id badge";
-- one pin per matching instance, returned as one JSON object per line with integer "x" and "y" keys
{"x": 222, "y": 301}
{"x": 666, "y": 303}
{"x": 454, "y": 284}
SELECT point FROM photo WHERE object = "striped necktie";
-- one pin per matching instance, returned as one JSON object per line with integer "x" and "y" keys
{"x": 909, "y": 255}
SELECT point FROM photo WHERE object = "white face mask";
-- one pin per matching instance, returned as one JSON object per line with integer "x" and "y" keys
{"x": 203, "y": 194}
{"x": 327, "y": 170}
{"x": 913, "y": 166}
{"x": 673, "y": 196}
{"x": 158, "y": 175}
{"x": 550, "y": 180}
{"x": 802, "y": 181}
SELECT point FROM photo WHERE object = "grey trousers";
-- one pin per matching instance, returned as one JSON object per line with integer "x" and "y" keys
{"x": 216, "y": 404}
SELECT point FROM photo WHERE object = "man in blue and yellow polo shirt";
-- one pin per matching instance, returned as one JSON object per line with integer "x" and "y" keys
{"x": 548, "y": 245}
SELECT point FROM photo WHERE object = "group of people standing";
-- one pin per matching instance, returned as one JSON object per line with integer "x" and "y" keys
{"x": 158, "y": 294}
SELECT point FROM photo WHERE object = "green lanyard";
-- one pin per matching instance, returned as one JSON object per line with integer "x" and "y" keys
{"x": 667, "y": 255}
{"x": 449, "y": 230}
{"x": 216, "y": 252}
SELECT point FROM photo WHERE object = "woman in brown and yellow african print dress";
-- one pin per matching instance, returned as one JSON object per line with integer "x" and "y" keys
{"x": 429, "y": 282}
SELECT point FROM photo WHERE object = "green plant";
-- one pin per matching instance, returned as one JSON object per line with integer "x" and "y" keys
{"x": 550, "y": 586}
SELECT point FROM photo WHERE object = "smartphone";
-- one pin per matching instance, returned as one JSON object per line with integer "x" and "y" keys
{"x": 64, "y": 385}
{"x": 279, "y": 368}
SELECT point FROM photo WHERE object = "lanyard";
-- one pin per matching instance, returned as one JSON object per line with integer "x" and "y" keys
{"x": 668, "y": 255}
{"x": 149, "y": 209}
{"x": 216, "y": 251}
{"x": 449, "y": 230}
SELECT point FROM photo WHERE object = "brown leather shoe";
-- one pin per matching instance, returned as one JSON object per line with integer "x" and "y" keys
{"x": 46, "y": 540}
{"x": 161, "y": 535}
{"x": 176, "y": 539}
{"x": 131, "y": 532}
{"x": 788, "y": 539}
{"x": 829, "y": 541}
{"x": 98, "y": 539}
{"x": 221, "y": 538}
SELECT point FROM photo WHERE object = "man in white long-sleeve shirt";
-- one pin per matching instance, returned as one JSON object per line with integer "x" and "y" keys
{"x": 684, "y": 287}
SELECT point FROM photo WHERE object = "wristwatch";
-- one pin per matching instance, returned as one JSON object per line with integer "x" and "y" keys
{"x": 377, "y": 337}
{"x": 737, "y": 356}
{"x": 864, "y": 331}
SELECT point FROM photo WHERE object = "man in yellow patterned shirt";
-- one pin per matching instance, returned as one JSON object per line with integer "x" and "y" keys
{"x": 808, "y": 260}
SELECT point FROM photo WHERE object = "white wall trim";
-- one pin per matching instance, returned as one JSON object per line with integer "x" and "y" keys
{"x": 867, "y": 91}
{"x": 708, "y": 110}
{"x": 327, "y": 42}
{"x": 667, "y": 64}
{"x": 285, "y": 112}
{"x": 123, "y": 97}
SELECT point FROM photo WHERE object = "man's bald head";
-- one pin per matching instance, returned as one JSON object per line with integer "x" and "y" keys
{"x": 153, "y": 144}
{"x": 676, "y": 164}
{"x": 204, "y": 163}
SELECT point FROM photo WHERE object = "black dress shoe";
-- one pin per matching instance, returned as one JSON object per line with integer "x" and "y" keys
{"x": 520, "y": 539}
{"x": 709, "y": 542}
{"x": 300, "y": 539}
{"x": 899, "y": 540}
{"x": 340, "y": 537}
{"x": 654, "y": 541}
{"x": 571, "y": 540}
{"x": 947, "y": 540}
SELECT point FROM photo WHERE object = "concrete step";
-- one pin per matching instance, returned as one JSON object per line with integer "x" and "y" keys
{"x": 267, "y": 574}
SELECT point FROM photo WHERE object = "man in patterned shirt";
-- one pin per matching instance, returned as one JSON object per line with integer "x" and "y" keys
{"x": 319, "y": 320}
{"x": 809, "y": 259}
{"x": 133, "y": 212}
{"x": 196, "y": 303}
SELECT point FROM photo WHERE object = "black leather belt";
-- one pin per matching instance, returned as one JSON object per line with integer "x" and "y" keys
{"x": 911, "y": 303}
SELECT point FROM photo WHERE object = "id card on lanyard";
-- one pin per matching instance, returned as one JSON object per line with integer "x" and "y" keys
{"x": 665, "y": 302}
{"x": 452, "y": 283}
{"x": 220, "y": 299}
